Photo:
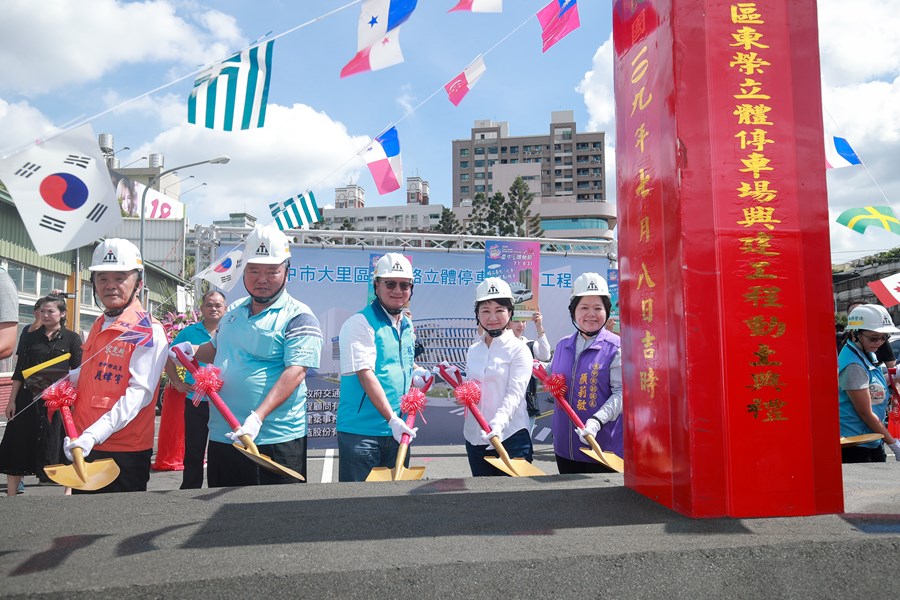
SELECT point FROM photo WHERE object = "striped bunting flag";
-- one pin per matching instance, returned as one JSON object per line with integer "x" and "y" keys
{"x": 296, "y": 212}
{"x": 233, "y": 93}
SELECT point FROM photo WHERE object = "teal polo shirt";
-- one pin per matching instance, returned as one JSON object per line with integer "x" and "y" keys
{"x": 252, "y": 353}
{"x": 196, "y": 334}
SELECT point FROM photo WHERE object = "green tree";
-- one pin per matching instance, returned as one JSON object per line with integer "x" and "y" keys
{"x": 505, "y": 216}
{"x": 346, "y": 225}
{"x": 449, "y": 223}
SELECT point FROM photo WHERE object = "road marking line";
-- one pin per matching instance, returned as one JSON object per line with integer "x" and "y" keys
{"x": 542, "y": 434}
{"x": 328, "y": 467}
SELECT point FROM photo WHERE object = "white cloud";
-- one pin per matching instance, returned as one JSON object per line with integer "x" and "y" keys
{"x": 20, "y": 124}
{"x": 299, "y": 148}
{"x": 597, "y": 88}
{"x": 75, "y": 42}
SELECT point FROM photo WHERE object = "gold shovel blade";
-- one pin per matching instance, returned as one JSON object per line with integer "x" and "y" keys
{"x": 607, "y": 458}
{"x": 856, "y": 440}
{"x": 518, "y": 467}
{"x": 406, "y": 474}
{"x": 268, "y": 464}
{"x": 98, "y": 475}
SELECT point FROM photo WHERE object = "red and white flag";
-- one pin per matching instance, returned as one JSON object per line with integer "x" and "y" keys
{"x": 887, "y": 290}
{"x": 482, "y": 6}
{"x": 462, "y": 83}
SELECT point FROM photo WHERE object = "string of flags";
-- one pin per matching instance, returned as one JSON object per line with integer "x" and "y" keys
{"x": 296, "y": 212}
{"x": 860, "y": 219}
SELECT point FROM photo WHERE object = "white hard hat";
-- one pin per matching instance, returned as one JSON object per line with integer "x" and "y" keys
{"x": 589, "y": 284}
{"x": 393, "y": 264}
{"x": 871, "y": 317}
{"x": 492, "y": 288}
{"x": 266, "y": 246}
{"x": 116, "y": 254}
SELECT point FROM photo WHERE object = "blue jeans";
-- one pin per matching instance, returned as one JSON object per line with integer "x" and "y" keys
{"x": 359, "y": 454}
{"x": 518, "y": 445}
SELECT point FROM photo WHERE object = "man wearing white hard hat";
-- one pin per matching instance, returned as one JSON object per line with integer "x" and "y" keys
{"x": 591, "y": 361}
{"x": 265, "y": 344}
{"x": 377, "y": 367}
{"x": 124, "y": 358}
{"x": 863, "y": 392}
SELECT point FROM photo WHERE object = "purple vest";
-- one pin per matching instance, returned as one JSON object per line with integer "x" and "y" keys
{"x": 588, "y": 389}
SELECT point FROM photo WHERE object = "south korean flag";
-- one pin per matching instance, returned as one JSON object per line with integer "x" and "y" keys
{"x": 225, "y": 272}
{"x": 62, "y": 190}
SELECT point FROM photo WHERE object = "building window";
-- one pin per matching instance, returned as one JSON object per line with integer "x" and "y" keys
{"x": 479, "y": 151}
{"x": 479, "y": 176}
{"x": 479, "y": 164}
{"x": 513, "y": 149}
{"x": 557, "y": 224}
{"x": 597, "y": 145}
{"x": 463, "y": 164}
{"x": 514, "y": 161}
{"x": 479, "y": 188}
{"x": 464, "y": 177}
{"x": 463, "y": 189}
{"x": 503, "y": 150}
{"x": 492, "y": 150}
{"x": 463, "y": 151}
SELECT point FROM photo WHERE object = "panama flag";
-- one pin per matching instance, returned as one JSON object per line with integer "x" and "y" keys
{"x": 233, "y": 93}
{"x": 296, "y": 212}
{"x": 482, "y": 6}
{"x": 838, "y": 153}
{"x": 226, "y": 271}
{"x": 63, "y": 191}
{"x": 462, "y": 83}
{"x": 383, "y": 158}
{"x": 557, "y": 19}
{"x": 887, "y": 290}
{"x": 378, "y": 35}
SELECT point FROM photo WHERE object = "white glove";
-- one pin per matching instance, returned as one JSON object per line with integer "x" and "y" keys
{"x": 487, "y": 435}
{"x": 85, "y": 441}
{"x": 421, "y": 376}
{"x": 250, "y": 427}
{"x": 185, "y": 347}
{"x": 73, "y": 376}
{"x": 399, "y": 427}
{"x": 591, "y": 427}
{"x": 895, "y": 448}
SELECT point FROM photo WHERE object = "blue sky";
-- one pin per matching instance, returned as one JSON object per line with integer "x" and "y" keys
{"x": 77, "y": 59}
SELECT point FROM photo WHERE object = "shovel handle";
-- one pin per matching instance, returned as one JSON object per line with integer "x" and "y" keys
{"x": 410, "y": 421}
{"x": 480, "y": 418}
{"x": 192, "y": 365}
{"x": 502, "y": 453}
{"x": 78, "y": 463}
{"x": 68, "y": 422}
{"x": 248, "y": 444}
{"x": 573, "y": 416}
{"x": 401, "y": 458}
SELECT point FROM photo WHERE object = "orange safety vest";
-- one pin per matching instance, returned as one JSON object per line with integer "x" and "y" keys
{"x": 103, "y": 380}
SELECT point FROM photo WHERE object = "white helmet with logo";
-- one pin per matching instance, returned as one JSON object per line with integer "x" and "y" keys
{"x": 493, "y": 288}
{"x": 116, "y": 254}
{"x": 266, "y": 246}
{"x": 393, "y": 264}
{"x": 871, "y": 317}
{"x": 589, "y": 284}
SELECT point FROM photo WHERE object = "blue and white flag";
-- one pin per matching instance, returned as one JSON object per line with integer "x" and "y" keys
{"x": 838, "y": 153}
{"x": 233, "y": 93}
{"x": 296, "y": 212}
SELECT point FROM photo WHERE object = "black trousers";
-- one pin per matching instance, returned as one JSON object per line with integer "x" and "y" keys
{"x": 861, "y": 454}
{"x": 226, "y": 466}
{"x": 575, "y": 466}
{"x": 196, "y": 432}
{"x": 134, "y": 471}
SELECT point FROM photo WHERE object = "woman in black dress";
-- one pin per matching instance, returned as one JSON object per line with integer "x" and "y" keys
{"x": 31, "y": 440}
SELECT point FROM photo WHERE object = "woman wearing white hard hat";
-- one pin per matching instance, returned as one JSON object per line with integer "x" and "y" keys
{"x": 124, "y": 357}
{"x": 264, "y": 347}
{"x": 502, "y": 363}
{"x": 863, "y": 391}
{"x": 591, "y": 362}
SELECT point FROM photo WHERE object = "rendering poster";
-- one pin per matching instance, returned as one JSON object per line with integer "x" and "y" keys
{"x": 156, "y": 205}
{"x": 518, "y": 263}
{"x": 336, "y": 283}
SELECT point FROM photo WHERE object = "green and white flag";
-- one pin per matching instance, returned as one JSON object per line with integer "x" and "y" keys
{"x": 233, "y": 94}
{"x": 296, "y": 212}
{"x": 880, "y": 217}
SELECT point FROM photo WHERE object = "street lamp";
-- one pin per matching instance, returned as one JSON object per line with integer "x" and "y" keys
{"x": 192, "y": 189}
{"x": 177, "y": 182}
{"x": 219, "y": 160}
{"x": 134, "y": 161}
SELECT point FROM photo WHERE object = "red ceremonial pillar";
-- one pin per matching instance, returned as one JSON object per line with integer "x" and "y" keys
{"x": 727, "y": 317}
{"x": 170, "y": 442}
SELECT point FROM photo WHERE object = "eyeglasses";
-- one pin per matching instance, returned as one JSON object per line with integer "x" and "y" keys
{"x": 875, "y": 338}
{"x": 404, "y": 285}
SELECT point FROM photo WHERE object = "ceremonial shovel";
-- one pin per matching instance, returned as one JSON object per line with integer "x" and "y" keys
{"x": 556, "y": 384}
{"x": 249, "y": 449}
{"x": 411, "y": 403}
{"x": 79, "y": 475}
{"x": 468, "y": 394}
